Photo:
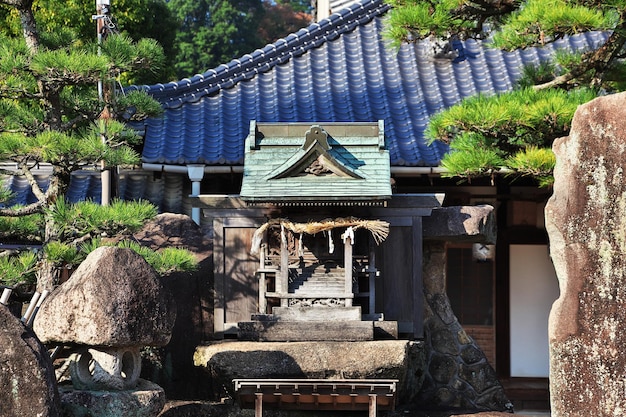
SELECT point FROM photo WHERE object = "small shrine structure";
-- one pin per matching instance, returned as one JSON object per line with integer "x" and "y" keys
{"x": 316, "y": 246}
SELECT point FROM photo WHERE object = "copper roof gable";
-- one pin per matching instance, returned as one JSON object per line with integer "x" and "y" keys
{"x": 330, "y": 163}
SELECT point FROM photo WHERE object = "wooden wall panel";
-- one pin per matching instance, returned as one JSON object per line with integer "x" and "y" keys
{"x": 394, "y": 287}
{"x": 240, "y": 282}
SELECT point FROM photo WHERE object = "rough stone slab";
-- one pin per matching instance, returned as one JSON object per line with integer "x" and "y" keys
{"x": 586, "y": 222}
{"x": 293, "y": 331}
{"x": 389, "y": 359}
{"x": 114, "y": 298}
{"x": 317, "y": 313}
{"x": 27, "y": 381}
{"x": 147, "y": 400}
{"x": 461, "y": 224}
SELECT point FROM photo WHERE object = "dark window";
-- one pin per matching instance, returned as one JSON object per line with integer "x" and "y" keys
{"x": 470, "y": 285}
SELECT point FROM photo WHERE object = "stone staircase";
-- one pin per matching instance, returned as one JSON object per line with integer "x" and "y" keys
{"x": 317, "y": 281}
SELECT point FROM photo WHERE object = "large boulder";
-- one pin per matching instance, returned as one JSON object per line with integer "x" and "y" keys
{"x": 114, "y": 299}
{"x": 586, "y": 222}
{"x": 26, "y": 373}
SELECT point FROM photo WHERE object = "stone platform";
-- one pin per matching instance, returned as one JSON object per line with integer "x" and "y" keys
{"x": 270, "y": 330}
{"x": 400, "y": 360}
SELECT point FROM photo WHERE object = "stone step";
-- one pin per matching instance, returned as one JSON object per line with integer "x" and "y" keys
{"x": 320, "y": 279}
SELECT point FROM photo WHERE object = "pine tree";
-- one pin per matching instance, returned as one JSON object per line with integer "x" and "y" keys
{"x": 51, "y": 112}
{"x": 513, "y": 132}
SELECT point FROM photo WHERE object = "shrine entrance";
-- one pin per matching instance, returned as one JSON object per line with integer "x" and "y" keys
{"x": 319, "y": 270}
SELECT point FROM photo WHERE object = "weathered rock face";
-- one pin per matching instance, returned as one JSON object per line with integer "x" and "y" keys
{"x": 458, "y": 374}
{"x": 147, "y": 400}
{"x": 586, "y": 222}
{"x": 461, "y": 224}
{"x": 26, "y": 373}
{"x": 114, "y": 299}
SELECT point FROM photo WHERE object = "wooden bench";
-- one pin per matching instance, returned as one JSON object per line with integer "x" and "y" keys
{"x": 317, "y": 394}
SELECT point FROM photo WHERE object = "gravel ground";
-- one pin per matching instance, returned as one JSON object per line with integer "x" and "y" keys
{"x": 207, "y": 409}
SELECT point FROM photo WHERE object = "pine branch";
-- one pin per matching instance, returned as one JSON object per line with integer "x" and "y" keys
{"x": 18, "y": 94}
{"x": 33, "y": 208}
{"x": 597, "y": 61}
{"x": 37, "y": 191}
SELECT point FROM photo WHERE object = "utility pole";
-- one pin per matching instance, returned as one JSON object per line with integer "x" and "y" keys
{"x": 102, "y": 18}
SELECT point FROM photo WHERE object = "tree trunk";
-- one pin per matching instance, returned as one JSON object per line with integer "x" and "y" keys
{"x": 47, "y": 276}
{"x": 27, "y": 20}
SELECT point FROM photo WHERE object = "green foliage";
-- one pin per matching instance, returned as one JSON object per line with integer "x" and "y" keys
{"x": 137, "y": 106}
{"x": 534, "y": 162}
{"x": 5, "y": 193}
{"x": 164, "y": 261}
{"x": 539, "y": 21}
{"x": 23, "y": 228}
{"x": 69, "y": 23}
{"x": 512, "y": 120}
{"x": 211, "y": 33}
{"x": 542, "y": 107}
{"x": 89, "y": 218}
{"x": 537, "y": 74}
{"x": 64, "y": 67}
{"x": 18, "y": 269}
{"x": 62, "y": 253}
{"x": 416, "y": 20}
{"x": 471, "y": 156}
{"x": 485, "y": 130}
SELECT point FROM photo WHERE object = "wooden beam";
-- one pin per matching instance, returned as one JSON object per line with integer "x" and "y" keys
{"x": 418, "y": 283}
{"x": 219, "y": 313}
{"x": 282, "y": 283}
{"x": 347, "y": 263}
{"x": 371, "y": 273}
{"x": 372, "y": 405}
{"x": 258, "y": 404}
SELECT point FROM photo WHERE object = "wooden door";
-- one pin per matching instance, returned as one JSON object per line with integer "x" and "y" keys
{"x": 236, "y": 283}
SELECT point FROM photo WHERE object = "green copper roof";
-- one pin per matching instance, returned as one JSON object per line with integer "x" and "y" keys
{"x": 329, "y": 163}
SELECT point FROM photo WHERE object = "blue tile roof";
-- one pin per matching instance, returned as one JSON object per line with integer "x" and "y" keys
{"x": 337, "y": 70}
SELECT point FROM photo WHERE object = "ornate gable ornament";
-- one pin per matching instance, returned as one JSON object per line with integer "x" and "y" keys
{"x": 304, "y": 164}
{"x": 314, "y": 159}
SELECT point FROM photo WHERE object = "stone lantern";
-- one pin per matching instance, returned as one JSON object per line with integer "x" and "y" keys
{"x": 113, "y": 305}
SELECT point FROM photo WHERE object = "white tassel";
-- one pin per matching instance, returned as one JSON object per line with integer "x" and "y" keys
{"x": 348, "y": 234}
{"x": 300, "y": 246}
{"x": 331, "y": 244}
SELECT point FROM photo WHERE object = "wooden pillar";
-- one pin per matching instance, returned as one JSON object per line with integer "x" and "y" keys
{"x": 347, "y": 262}
{"x": 258, "y": 404}
{"x": 372, "y": 405}
{"x": 282, "y": 283}
{"x": 262, "y": 283}
{"x": 418, "y": 283}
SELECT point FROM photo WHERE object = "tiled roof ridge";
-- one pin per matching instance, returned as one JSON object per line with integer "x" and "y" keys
{"x": 175, "y": 93}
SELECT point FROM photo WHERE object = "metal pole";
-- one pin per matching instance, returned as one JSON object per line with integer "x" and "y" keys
{"x": 102, "y": 11}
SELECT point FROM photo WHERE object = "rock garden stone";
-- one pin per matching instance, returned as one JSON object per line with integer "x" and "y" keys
{"x": 114, "y": 298}
{"x": 27, "y": 380}
{"x": 586, "y": 222}
{"x": 146, "y": 400}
